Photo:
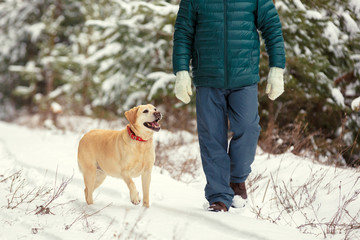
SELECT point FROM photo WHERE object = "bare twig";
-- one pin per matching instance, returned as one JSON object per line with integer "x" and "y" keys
{"x": 14, "y": 174}
{"x": 17, "y": 187}
{"x": 111, "y": 223}
{"x": 265, "y": 191}
{"x": 85, "y": 215}
{"x": 57, "y": 192}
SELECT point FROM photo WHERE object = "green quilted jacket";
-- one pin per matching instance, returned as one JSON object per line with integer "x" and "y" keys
{"x": 221, "y": 38}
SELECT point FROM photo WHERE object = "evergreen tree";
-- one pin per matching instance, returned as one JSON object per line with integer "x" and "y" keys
{"x": 38, "y": 74}
{"x": 322, "y": 45}
{"x": 135, "y": 42}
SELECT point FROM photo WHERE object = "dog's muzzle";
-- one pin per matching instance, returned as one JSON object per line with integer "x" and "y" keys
{"x": 155, "y": 126}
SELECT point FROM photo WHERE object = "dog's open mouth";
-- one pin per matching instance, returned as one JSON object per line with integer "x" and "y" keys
{"x": 153, "y": 125}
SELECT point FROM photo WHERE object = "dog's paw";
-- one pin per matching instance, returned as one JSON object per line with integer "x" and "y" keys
{"x": 135, "y": 199}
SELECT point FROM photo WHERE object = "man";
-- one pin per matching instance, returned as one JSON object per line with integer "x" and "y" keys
{"x": 221, "y": 39}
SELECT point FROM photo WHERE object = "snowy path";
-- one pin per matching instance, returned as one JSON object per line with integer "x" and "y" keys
{"x": 176, "y": 210}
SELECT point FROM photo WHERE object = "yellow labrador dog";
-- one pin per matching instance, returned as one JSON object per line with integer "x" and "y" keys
{"x": 125, "y": 154}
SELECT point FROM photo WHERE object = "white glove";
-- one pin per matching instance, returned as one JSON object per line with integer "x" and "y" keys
{"x": 275, "y": 83}
{"x": 183, "y": 86}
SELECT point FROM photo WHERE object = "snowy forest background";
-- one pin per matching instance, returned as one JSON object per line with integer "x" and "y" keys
{"x": 99, "y": 58}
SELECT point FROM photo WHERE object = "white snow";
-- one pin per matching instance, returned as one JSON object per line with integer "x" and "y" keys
{"x": 35, "y": 30}
{"x": 47, "y": 158}
{"x": 239, "y": 202}
{"x": 176, "y": 208}
{"x": 338, "y": 96}
{"x": 355, "y": 104}
{"x": 109, "y": 50}
{"x": 357, "y": 68}
{"x": 134, "y": 98}
{"x": 56, "y": 107}
{"x": 168, "y": 28}
{"x": 60, "y": 90}
{"x": 332, "y": 33}
{"x": 162, "y": 80}
{"x": 351, "y": 26}
{"x": 297, "y": 49}
{"x": 99, "y": 23}
{"x": 280, "y": 5}
{"x": 312, "y": 14}
{"x": 299, "y": 5}
{"x": 29, "y": 68}
{"x": 355, "y": 5}
{"x": 49, "y": 124}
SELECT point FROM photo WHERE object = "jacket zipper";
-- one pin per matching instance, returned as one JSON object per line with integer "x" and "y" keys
{"x": 225, "y": 47}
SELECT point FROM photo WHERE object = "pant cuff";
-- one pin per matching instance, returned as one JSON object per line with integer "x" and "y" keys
{"x": 238, "y": 179}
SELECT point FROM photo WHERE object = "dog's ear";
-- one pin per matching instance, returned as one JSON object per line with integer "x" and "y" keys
{"x": 131, "y": 115}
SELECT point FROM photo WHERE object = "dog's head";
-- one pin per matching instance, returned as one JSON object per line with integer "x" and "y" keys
{"x": 144, "y": 117}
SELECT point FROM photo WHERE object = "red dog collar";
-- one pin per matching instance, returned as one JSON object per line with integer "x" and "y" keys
{"x": 133, "y": 136}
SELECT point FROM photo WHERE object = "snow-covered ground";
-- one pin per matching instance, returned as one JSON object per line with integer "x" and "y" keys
{"x": 288, "y": 195}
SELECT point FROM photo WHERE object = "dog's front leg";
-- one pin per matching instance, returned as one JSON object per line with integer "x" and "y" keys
{"x": 145, "y": 179}
{"x": 134, "y": 194}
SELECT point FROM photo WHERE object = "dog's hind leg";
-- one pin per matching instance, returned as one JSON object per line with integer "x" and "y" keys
{"x": 89, "y": 180}
{"x": 100, "y": 177}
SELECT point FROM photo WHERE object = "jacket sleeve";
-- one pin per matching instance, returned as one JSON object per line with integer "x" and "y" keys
{"x": 268, "y": 22}
{"x": 183, "y": 36}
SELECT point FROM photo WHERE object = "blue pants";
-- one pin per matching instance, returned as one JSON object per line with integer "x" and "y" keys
{"x": 223, "y": 163}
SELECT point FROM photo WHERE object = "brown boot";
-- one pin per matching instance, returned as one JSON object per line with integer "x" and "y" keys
{"x": 218, "y": 207}
{"x": 239, "y": 189}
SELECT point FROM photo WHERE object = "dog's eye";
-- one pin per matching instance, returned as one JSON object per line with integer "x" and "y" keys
{"x": 146, "y": 111}
{"x": 155, "y": 109}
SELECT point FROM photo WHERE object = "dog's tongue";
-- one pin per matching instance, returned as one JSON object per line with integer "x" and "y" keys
{"x": 155, "y": 124}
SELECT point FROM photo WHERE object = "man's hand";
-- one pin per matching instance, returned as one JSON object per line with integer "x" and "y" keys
{"x": 183, "y": 86}
{"x": 275, "y": 83}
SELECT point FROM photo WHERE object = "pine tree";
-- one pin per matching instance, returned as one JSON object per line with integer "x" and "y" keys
{"x": 322, "y": 44}
{"x": 137, "y": 42}
{"x": 38, "y": 73}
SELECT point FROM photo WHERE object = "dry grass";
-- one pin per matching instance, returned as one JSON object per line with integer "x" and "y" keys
{"x": 129, "y": 230}
{"x": 41, "y": 200}
{"x": 181, "y": 166}
{"x": 57, "y": 191}
{"x": 292, "y": 136}
{"x": 298, "y": 204}
{"x": 84, "y": 216}
{"x": 44, "y": 200}
{"x": 19, "y": 193}
{"x": 300, "y": 140}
